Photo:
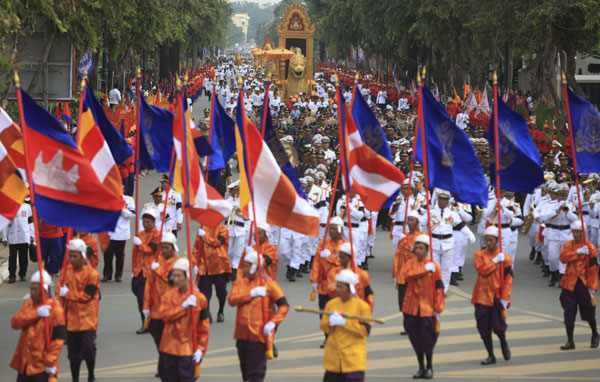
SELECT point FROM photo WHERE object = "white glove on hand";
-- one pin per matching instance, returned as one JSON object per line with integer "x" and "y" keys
{"x": 195, "y": 270}
{"x": 336, "y": 319}
{"x": 314, "y": 286}
{"x": 504, "y": 304}
{"x": 44, "y": 311}
{"x": 137, "y": 241}
{"x": 201, "y": 232}
{"x": 325, "y": 253}
{"x": 269, "y": 326}
{"x": 146, "y": 312}
{"x": 63, "y": 291}
{"x": 430, "y": 267}
{"x": 154, "y": 266}
{"x": 437, "y": 316}
{"x": 498, "y": 258}
{"x": 583, "y": 250}
{"x": 258, "y": 291}
{"x": 50, "y": 370}
{"x": 190, "y": 301}
{"x": 471, "y": 237}
{"x": 197, "y": 356}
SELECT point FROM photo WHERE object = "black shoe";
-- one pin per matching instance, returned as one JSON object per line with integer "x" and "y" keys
{"x": 12, "y": 279}
{"x": 489, "y": 361}
{"x": 553, "y": 279}
{"x": 117, "y": 279}
{"x": 546, "y": 272}
{"x": 220, "y": 317}
{"x": 323, "y": 344}
{"x": 570, "y": 345}
{"x": 538, "y": 258}
{"x": 210, "y": 317}
{"x": 299, "y": 272}
{"x": 304, "y": 268}
{"x": 156, "y": 375}
{"x": 141, "y": 330}
{"x": 104, "y": 279}
{"x": 365, "y": 266}
{"x": 595, "y": 339}
{"x": 428, "y": 374}
{"x": 459, "y": 277}
{"x": 532, "y": 254}
{"x": 453, "y": 280}
{"x": 505, "y": 352}
{"x": 403, "y": 333}
{"x": 22, "y": 278}
{"x": 292, "y": 277}
{"x": 419, "y": 374}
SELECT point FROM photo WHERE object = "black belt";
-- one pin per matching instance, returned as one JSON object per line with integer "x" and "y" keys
{"x": 513, "y": 228}
{"x": 354, "y": 225}
{"x": 585, "y": 212}
{"x": 323, "y": 224}
{"x": 239, "y": 224}
{"x": 459, "y": 226}
{"x": 558, "y": 227}
{"x": 441, "y": 237}
{"x": 364, "y": 219}
{"x": 505, "y": 225}
{"x": 398, "y": 222}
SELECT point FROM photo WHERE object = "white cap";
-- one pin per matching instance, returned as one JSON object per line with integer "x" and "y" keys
{"x": 152, "y": 212}
{"x": 171, "y": 239}
{"x": 234, "y": 184}
{"x": 183, "y": 264}
{"x": 264, "y": 226}
{"x": 491, "y": 231}
{"x": 78, "y": 245}
{"x": 346, "y": 276}
{"x": 413, "y": 214}
{"x": 346, "y": 248}
{"x": 47, "y": 279}
{"x": 320, "y": 175}
{"x": 423, "y": 239}
{"x": 576, "y": 225}
{"x": 443, "y": 193}
{"x": 252, "y": 258}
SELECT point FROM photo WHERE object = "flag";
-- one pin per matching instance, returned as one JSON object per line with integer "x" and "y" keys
{"x": 12, "y": 188}
{"x": 222, "y": 133}
{"x": 371, "y": 175}
{"x": 12, "y": 139}
{"x": 156, "y": 136}
{"x": 58, "y": 112}
{"x": 520, "y": 161}
{"x": 206, "y": 205}
{"x": 484, "y": 104}
{"x": 67, "y": 190}
{"x": 586, "y": 133}
{"x": 451, "y": 160}
{"x": 101, "y": 143}
{"x": 66, "y": 114}
{"x": 275, "y": 199}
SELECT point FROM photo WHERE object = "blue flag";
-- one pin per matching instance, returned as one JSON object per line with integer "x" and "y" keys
{"x": 520, "y": 161}
{"x": 451, "y": 160}
{"x": 156, "y": 136}
{"x": 586, "y": 133}
{"x": 220, "y": 123}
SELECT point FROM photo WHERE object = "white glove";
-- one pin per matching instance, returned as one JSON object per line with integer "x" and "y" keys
{"x": 269, "y": 326}
{"x": 471, "y": 237}
{"x": 201, "y": 232}
{"x": 137, "y": 241}
{"x": 430, "y": 267}
{"x": 437, "y": 316}
{"x": 154, "y": 266}
{"x": 50, "y": 370}
{"x": 258, "y": 291}
{"x": 63, "y": 291}
{"x": 190, "y": 301}
{"x": 583, "y": 250}
{"x": 195, "y": 269}
{"x": 325, "y": 253}
{"x": 498, "y": 258}
{"x": 336, "y": 319}
{"x": 44, "y": 311}
{"x": 315, "y": 286}
{"x": 395, "y": 281}
{"x": 504, "y": 304}
{"x": 197, "y": 356}
{"x": 146, "y": 313}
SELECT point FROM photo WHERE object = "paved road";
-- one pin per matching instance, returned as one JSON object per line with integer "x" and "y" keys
{"x": 535, "y": 331}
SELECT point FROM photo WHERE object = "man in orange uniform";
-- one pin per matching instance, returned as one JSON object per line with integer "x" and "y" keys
{"x": 254, "y": 323}
{"x": 92, "y": 248}
{"x": 145, "y": 244}
{"x": 158, "y": 283}
{"x": 32, "y": 359}
{"x": 177, "y": 355}
{"x": 79, "y": 296}
{"x": 404, "y": 253}
{"x": 268, "y": 251}
{"x": 491, "y": 294}
{"x": 579, "y": 283}
{"x": 212, "y": 264}
{"x": 423, "y": 303}
{"x": 363, "y": 287}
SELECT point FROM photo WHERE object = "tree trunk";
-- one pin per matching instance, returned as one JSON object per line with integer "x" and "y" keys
{"x": 163, "y": 52}
{"x": 43, "y": 59}
{"x": 570, "y": 74}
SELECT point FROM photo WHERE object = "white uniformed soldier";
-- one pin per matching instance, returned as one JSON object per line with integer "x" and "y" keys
{"x": 490, "y": 216}
{"x": 462, "y": 234}
{"x": 238, "y": 228}
{"x": 118, "y": 239}
{"x": 515, "y": 226}
{"x": 157, "y": 205}
{"x": 18, "y": 234}
{"x": 398, "y": 211}
{"x": 356, "y": 214}
{"x": 174, "y": 203}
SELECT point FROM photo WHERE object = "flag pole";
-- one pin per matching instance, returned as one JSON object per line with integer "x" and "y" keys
{"x": 210, "y": 134}
{"x": 265, "y": 110}
{"x": 411, "y": 173}
{"x": 38, "y": 250}
{"x": 344, "y": 154}
{"x": 138, "y": 113}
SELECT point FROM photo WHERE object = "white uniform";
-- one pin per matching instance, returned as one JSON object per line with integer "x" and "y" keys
{"x": 20, "y": 230}
{"x": 122, "y": 230}
{"x": 442, "y": 223}
{"x": 461, "y": 236}
{"x": 557, "y": 230}
{"x": 238, "y": 235}
{"x": 159, "y": 209}
{"x": 174, "y": 215}
{"x": 398, "y": 217}
{"x": 356, "y": 215}
{"x": 515, "y": 226}
{"x": 490, "y": 215}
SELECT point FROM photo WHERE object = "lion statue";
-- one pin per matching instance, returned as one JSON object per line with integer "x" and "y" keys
{"x": 296, "y": 82}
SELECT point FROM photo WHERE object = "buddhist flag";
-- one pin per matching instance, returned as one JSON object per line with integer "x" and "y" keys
{"x": 12, "y": 188}
{"x": 12, "y": 139}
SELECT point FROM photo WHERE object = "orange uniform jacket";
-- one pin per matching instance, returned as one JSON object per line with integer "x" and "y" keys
{"x": 584, "y": 267}
{"x": 249, "y": 317}
{"x": 403, "y": 253}
{"x": 212, "y": 248}
{"x": 92, "y": 255}
{"x": 157, "y": 285}
{"x": 81, "y": 301}
{"x": 145, "y": 254}
{"x": 31, "y": 355}
{"x": 420, "y": 289}
{"x": 363, "y": 288}
{"x": 322, "y": 266}
{"x": 269, "y": 251}
{"x": 488, "y": 283}
{"x": 177, "y": 335}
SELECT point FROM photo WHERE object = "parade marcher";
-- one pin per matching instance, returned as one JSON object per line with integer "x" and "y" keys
{"x": 91, "y": 251}
{"x": 250, "y": 333}
{"x": 579, "y": 284}
{"x": 118, "y": 239}
{"x": 18, "y": 234}
{"x": 173, "y": 203}
{"x": 267, "y": 250}
{"x": 236, "y": 225}
{"x": 32, "y": 359}
{"x": 79, "y": 293}
{"x": 145, "y": 245}
{"x": 177, "y": 355}
{"x": 157, "y": 205}
{"x": 363, "y": 286}
{"x": 423, "y": 304}
{"x": 345, "y": 358}
{"x": 210, "y": 256}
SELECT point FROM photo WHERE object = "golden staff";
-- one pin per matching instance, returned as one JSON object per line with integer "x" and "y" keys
{"x": 350, "y": 316}
{"x": 231, "y": 213}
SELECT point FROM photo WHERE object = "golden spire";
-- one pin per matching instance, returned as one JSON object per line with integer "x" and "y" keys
{"x": 495, "y": 78}
{"x": 336, "y": 80}
{"x": 418, "y": 77}
{"x": 424, "y": 72}
{"x": 356, "y": 78}
{"x": 178, "y": 83}
{"x": 85, "y": 74}
{"x": 17, "y": 80}
{"x": 563, "y": 78}
{"x": 139, "y": 72}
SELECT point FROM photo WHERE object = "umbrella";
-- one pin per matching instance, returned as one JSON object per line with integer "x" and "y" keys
{"x": 279, "y": 54}
{"x": 257, "y": 52}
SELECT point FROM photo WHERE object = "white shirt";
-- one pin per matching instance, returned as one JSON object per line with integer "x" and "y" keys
{"x": 122, "y": 231}
{"x": 20, "y": 229}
